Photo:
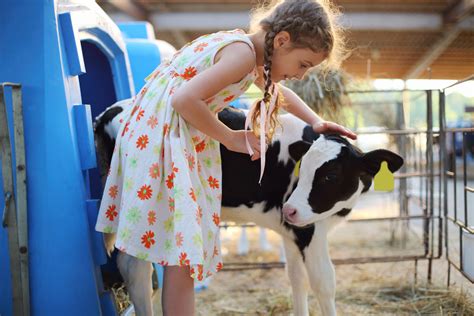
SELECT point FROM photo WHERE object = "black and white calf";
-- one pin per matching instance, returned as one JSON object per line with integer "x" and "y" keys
{"x": 301, "y": 207}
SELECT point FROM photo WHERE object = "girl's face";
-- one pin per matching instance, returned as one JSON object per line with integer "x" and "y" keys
{"x": 292, "y": 63}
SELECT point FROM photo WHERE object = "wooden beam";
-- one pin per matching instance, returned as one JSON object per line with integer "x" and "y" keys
{"x": 240, "y": 19}
{"x": 452, "y": 18}
{"x": 433, "y": 52}
{"x": 458, "y": 10}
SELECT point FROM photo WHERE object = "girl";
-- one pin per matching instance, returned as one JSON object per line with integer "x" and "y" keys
{"x": 163, "y": 191}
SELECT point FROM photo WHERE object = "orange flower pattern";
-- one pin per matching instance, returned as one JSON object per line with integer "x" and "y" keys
{"x": 154, "y": 171}
{"x": 213, "y": 182}
{"x": 145, "y": 192}
{"x": 113, "y": 190}
{"x": 148, "y": 239}
{"x": 142, "y": 141}
{"x": 151, "y": 217}
{"x": 189, "y": 73}
{"x": 111, "y": 212}
{"x": 162, "y": 166}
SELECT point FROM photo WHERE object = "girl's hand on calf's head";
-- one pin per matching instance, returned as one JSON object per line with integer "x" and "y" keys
{"x": 327, "y": 127}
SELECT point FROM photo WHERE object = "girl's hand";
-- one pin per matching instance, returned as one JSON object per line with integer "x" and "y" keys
{"x": 237, "y": 143}
{"x": 327, "y": 127}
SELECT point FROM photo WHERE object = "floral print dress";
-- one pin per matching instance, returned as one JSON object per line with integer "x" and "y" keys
{"x": 163, "y": 191}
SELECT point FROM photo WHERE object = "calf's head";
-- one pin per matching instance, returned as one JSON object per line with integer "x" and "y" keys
{"x": 333, "y": 173}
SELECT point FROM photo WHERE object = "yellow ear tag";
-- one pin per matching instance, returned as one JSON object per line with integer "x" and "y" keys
{"x": 383, "y": 180}
{"x": 297, "y": 168}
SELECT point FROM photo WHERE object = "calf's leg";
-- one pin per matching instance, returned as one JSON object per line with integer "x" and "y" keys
{"x": 137, "y": 276}
{"x": 320, "y": 269}
{"x": 297, "y": 275}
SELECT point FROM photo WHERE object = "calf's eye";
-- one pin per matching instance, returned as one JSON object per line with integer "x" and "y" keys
{"x": 330, "y": 177}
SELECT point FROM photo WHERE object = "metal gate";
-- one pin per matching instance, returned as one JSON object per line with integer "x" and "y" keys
{"x": 423, "y": 200}
{"x": 413, "y": 205}
{"x": 458, "y": 185}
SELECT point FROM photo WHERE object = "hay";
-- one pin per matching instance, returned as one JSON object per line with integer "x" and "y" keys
{"x": 410, "y": 300}
{"x": 120, "y": 294}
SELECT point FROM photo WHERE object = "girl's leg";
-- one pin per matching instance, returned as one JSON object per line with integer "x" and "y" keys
{"x": 178, "y": 292}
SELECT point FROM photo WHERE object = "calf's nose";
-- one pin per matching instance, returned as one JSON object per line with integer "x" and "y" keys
{"x": 289, "y": 212}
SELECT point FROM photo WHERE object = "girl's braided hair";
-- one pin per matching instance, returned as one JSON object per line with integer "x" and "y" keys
{"x": 311, "y": 24}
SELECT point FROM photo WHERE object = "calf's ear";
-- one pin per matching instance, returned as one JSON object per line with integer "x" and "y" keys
{"x": 298, "y": 149}
{"x": 372, "y": 160}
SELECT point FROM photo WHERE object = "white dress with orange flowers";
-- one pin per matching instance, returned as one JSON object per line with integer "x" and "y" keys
{"x": 163, "y": 191}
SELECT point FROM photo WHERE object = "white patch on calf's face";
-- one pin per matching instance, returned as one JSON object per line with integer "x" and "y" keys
{"x": 320, "y": 152}
{"x": 309, "y": 218}
{"x": 289, "y": 134}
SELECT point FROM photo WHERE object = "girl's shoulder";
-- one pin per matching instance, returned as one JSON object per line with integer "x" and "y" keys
{"x": 218, "y": 40}
{"x": 205, "y": 50}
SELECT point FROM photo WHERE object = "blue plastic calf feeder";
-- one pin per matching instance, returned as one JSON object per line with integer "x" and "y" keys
{"x": 72, "y": 63}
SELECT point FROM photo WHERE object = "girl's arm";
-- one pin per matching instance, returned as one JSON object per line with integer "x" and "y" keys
{"x": 296, "y": 106}
{"x": 233, "y": 62}
{"x": 293, "y": 104}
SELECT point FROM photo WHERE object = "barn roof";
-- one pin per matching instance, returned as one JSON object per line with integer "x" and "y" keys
{"x": 404, "y": 39}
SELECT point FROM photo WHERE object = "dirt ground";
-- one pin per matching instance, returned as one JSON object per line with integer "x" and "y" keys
{"x": 362, "y": 289}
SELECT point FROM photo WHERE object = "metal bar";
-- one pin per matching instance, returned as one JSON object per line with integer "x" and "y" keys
{"x": 464, "y": 156}
{"x": 441, "y": 174}
{"x": 430, "y": 179}
{"x": 11, "y": 221}
{"x": 460, "y": 271}
{"x": 449, "y": 273}
{"x": 393, "y": 132}
{"x": 381, "y": 103}
{"x": 21, "y": 193}
{"x": 240, "y": 266}
{"x": 384, "y": 91}
{"x": 253, "y": 263}
{"x": 420, "y": 159}
{"x": 430, "y": 269}
{"x": 403, "y": 185}
{"x": 460, "y": 224}
{"x": 378, "y": 259}
{"x": 455, "y": 176}
{"x": 237, "y": 266}
{"x": 426, "y": 212}
{"x": 460, "y": 249}
{"x": 416, "y": 272}
{"x": 414, "y": 175}
{"x": 225, "y": 225}
{"x": 464, "y": 129}
{"x": 471, "y": 77}
{"x": 395, "y": 218}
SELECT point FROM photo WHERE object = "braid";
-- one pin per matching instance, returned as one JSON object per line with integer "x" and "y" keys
{"x": 267, "y": 64}
{"x": 267, "y": 95}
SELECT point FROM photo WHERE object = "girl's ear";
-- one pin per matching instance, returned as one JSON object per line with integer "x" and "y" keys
{"x": 281, "y": 39}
